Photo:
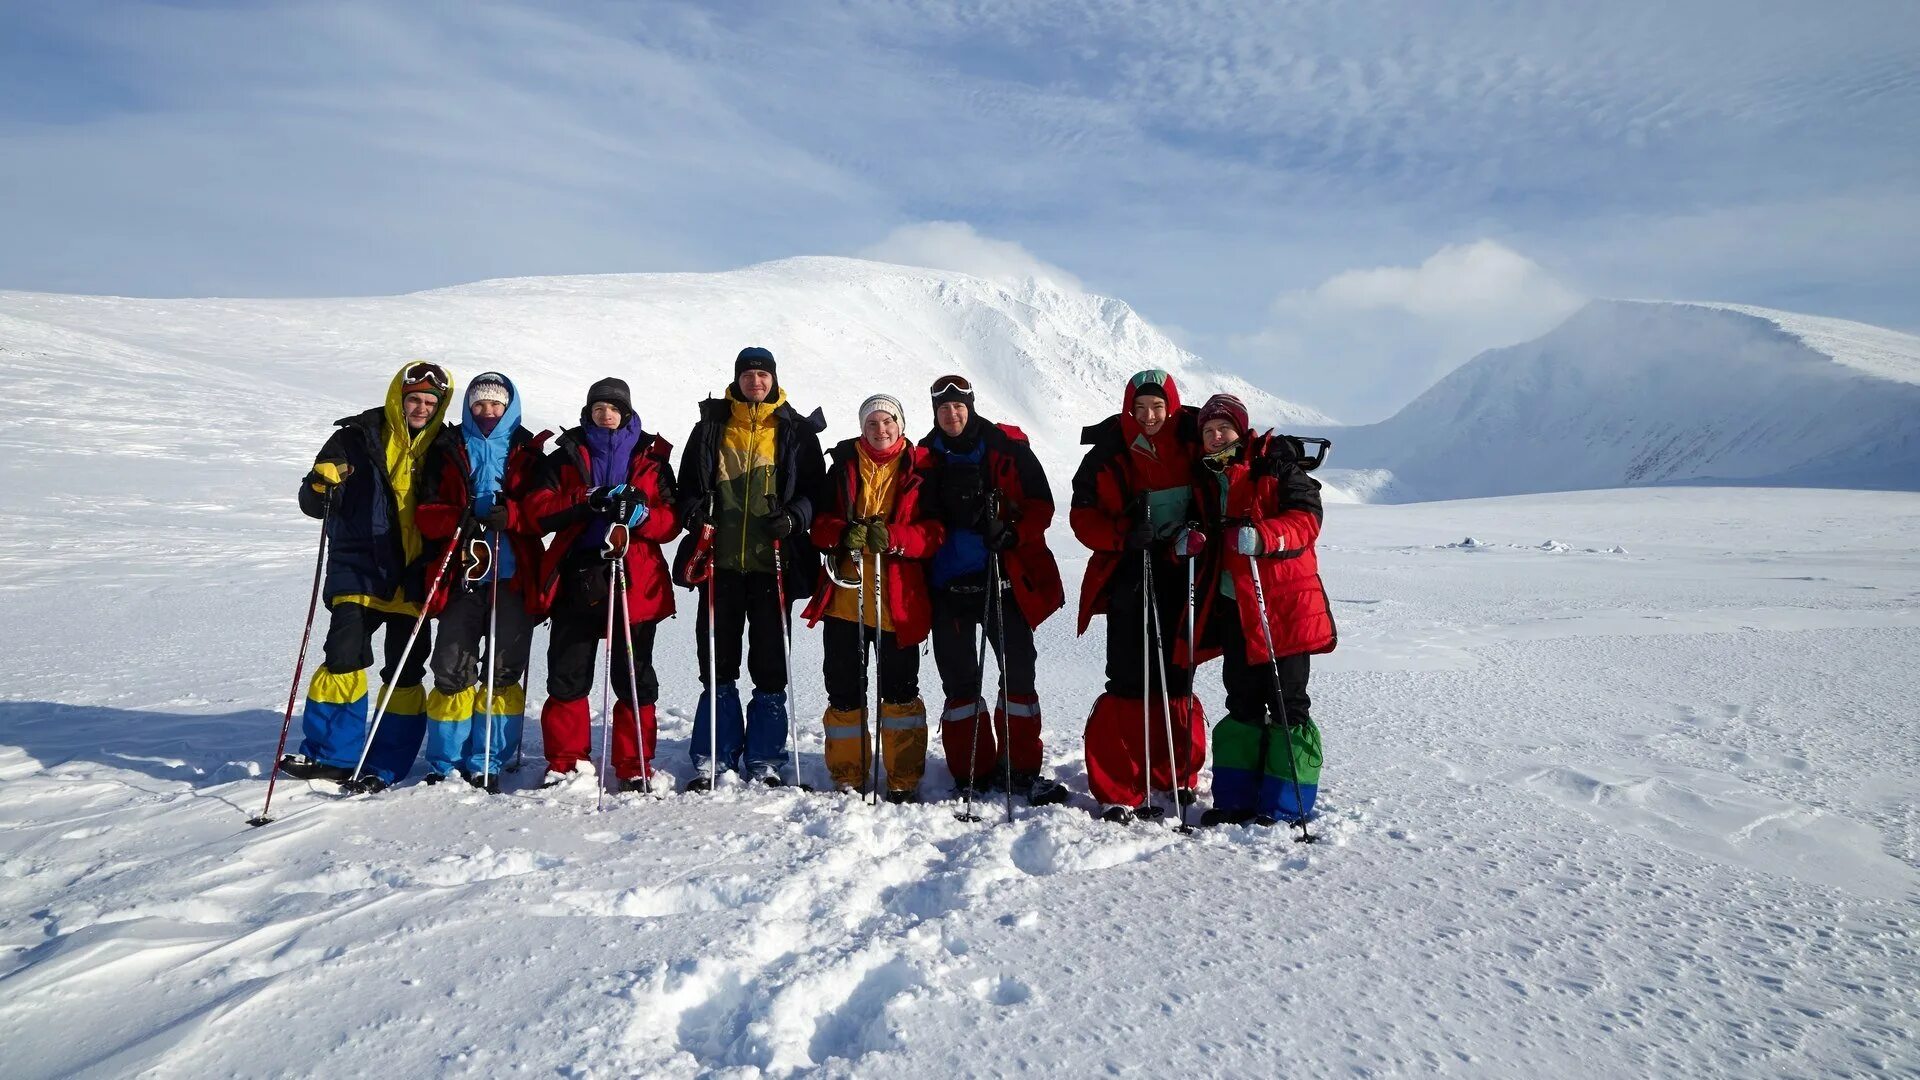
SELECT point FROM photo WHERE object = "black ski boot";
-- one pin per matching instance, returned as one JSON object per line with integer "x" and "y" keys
{"x": 487, "y": 783}
{"x": 700, "y": 784}
{"x": 1150, "y": 812}
{"x": 1117, "y": 815}
{"x": 433, "y": 778}
{"x": 1039, "y": 790}
{"x": 301, "y": 767}
{"x": 638, "y": 784}
{"x": 368, "y": 784}
{"x": 903, "y": 798}
{"x": 1217, "y": 816}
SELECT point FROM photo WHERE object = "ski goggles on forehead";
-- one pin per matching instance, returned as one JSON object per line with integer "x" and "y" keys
{"x": 424, "y": 376}
{"x": 950, "y": 384}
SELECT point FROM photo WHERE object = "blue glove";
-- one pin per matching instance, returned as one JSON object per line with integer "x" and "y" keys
{"x": 637, "y": 515}
{"x": 1247, "y": 541}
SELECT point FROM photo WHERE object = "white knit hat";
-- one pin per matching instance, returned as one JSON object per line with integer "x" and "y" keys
{"x": 488, "y": 387}
{"x": 882, "y": 403}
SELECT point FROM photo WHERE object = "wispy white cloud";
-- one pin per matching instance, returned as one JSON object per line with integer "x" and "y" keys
{"x": 1365, "y": 341}
{"x": 956, "y": 245}
{"x": 1196, "y": 158}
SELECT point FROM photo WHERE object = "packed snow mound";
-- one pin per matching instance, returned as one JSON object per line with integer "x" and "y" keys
{"x": 267, "y": 377}
{"x": 1635, "y": 392}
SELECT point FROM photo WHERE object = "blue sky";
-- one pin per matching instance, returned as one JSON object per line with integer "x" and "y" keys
{"x": 1341, "y": 199}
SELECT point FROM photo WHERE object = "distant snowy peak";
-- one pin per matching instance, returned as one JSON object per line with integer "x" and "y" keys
{"x": 1871, "y": 350}
{"x": 1048, "y": 359}
{"x": 1046, "y": 345}
{"x": 1640, "y": 392}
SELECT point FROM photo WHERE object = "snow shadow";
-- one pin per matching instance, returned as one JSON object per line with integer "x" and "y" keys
{"x": 198, "y": 749}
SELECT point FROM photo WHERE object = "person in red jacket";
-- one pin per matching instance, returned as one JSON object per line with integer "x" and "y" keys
{"x": 606, "y": 477}
{"x": 1262, "y": 515}
{"x": 989, "y": 492}
{"x": 870, "y": 519}
{"x": 477, "y": 475}
{"x": 1132, "y": 504}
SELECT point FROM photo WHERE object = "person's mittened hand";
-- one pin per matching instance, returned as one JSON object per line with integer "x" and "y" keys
{"x": 496, "y": 518}
{"x": 326, "y": 474}
{"x": 1247, "y": 541}
{"x": 1189, "y": 543}
{"x": 1000, "y": 535}
{"x": 780, "y": 525}
{"x": 636, "y": 514}
{"x": 1140, "y": 537}
{"x": 855, "y": 536}
{"x": 877, "y": 538}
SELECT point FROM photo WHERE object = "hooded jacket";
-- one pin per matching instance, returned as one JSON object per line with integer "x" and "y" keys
{"x": 790, "y": 475}
{"x": 1009, "y": 467}
{"x": 1265, "y": 488}
{"x": 376, "y": 554}
{"x": 559, "y": 505}
{"x": 448, "y": 500}
{"x": 1124, "y": 473}
{"x": 913, "y": 536}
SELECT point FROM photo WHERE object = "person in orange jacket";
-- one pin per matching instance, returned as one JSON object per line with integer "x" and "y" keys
{"x": 870, "y": 518}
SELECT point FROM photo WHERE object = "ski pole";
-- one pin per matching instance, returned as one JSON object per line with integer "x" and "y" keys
{"x": 713, "y": 682}
{"x": 879, "y": 643}
{"x": 1166, "y": 708}
{"x": 973, "y": 756}
{"x": 1279, "y": 698}
{"x": 606, "y": 688}
{"x": 633, "y": 678}
{"x": 998, "y": 600}
{"x": 386, "y": 693}
{"x": 1146, "y": 660}
{"x": 300, "y": 663}
{"x": 786, "y": 658}
{"x": 493, "y": 645}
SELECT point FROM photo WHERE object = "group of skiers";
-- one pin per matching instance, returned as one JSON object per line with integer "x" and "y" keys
{"x": 1201, "y": 531}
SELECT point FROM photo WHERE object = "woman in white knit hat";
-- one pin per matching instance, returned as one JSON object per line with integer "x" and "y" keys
{"x": 877, "y": 535}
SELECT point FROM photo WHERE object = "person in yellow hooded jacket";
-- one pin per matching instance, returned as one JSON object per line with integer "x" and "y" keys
{"x": 364, "y": 484}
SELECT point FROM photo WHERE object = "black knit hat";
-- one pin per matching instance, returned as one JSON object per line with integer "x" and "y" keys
{"x": 614, "y": 392}
{"x": 754, "y": 358}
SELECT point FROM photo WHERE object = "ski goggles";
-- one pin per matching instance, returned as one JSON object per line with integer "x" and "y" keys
{"x": 951, "y": 384}
{"x": 424, "y": 377}
{"x": 478, "y": 561}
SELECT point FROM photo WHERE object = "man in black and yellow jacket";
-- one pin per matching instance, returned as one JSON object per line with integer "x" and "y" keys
{"x": 365, "y": 483}
{"x": 749, "y": 471}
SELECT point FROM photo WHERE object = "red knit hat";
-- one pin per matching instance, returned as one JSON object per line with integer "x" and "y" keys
{"x": 1225, "y": 407}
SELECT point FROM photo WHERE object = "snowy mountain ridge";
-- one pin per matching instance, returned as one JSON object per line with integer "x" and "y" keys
{"x": 1629, "y": 392}
{"x": 1047, "y": 359}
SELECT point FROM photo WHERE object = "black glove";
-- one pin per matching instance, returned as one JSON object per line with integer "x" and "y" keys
{"x": 1000, "y": 535}
{"x": 780, "y": 525}
{"x": 600, "y": 500}
{"x": 495, "y": 519}
{"x": 1140, "y": 537}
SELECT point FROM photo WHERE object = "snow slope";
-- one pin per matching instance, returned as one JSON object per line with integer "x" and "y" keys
{"x": 1628, "y": 785}
{"x": 1589, "y": 812}
{"x": 261, "y": 380}
{"x": 1631, "y": 392}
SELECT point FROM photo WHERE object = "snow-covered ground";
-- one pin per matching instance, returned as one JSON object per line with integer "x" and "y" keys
{"x": 1626, "y": 786}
